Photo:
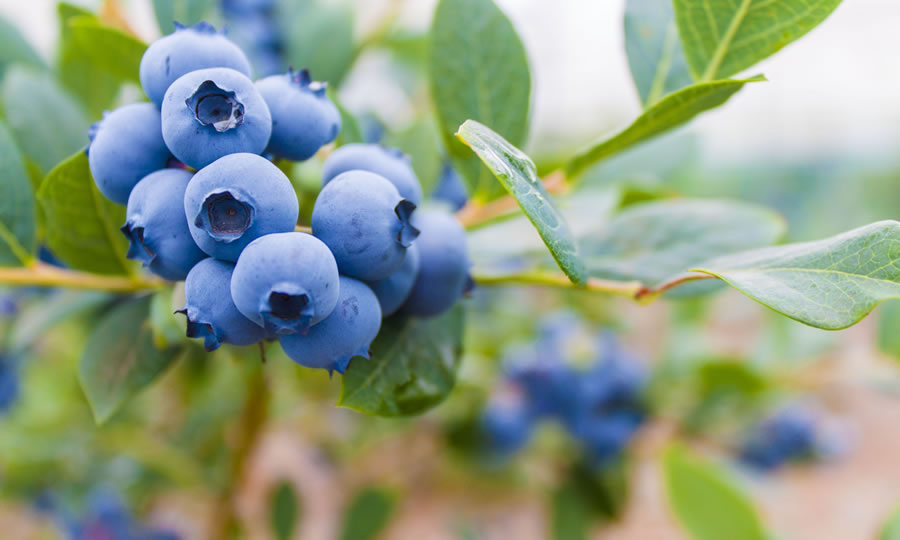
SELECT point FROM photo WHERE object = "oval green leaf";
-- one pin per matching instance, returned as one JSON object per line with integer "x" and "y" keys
{"x": 284, "y": 510}
{"x": 108, "y": 48}
{"x": 669, "y": 113}
{"x": 655, "y": 57}
{"x": 478, "y": 70}
{"x": 650, "y": 242}
{"x": 412, "y": 369}
{"x": 82, "y": 226}
{"x": 368, "y": 514}
{"x": 723, "y": 38}
{"x": 705, "y": 501}
{"x": 120, "y": 359}
{"x": 321, "y": 39}
{"x": 518, "y": 175}
{"x": 17, "y": 211}
{"x": 829, "y": 284}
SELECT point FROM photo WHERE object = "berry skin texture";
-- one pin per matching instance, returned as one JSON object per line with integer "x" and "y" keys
{"x": 210, "y": 113}
{"x": 390, "y": 163}
{"x": 303, "y": 118}
{"x": 393, "y": 290}
{"x": 187, "y": 49}
{"x": 443, "y": 265}
{"x": 210, "y": 311}
{"x": 286, "y": 282}
{"x": 364, "y": 221}
{"x": 156, "y": 227}
{"x": 235, "y": 200}
{"x": 346, "y": 333}
{"x": 126, "y": 146}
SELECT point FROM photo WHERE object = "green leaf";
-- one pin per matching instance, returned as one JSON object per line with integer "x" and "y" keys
{"x": 830, "y": 284}
{"x": 412, "y": 369}
{"x": 478, "y": 70}
{"x": 186, "y": 12}
{"x": 351, "y": 132}
{"x": 168, "y": 329}
{"x": 320, "y": 39}
{"x": 82, "y": 226}
{"x": 15, "y": 49}
{"x": 120, "y": 359}
{"x": 706, "y": 503}
{"x": 95, "y": 88}
{"x": 44, "y": 315}
{"x": 570, "y": 518}
{"x": 283, "y": 511}
{"x": 518, "y": 175}
{"x": 110, "y": 49}
{"x": 668, "y": 113}
{"x": 723, "y": 38}
{"x": 368, "y": 514}
{"x": 47, "y": 123}
{"x": 650, "y": 242}
{"x": 18, "y": 223}
{"x": 891, "y": 529}
{"x": 655, "y": 57}
{"x": 888, "y": 336}
{"x": 422, "y": 143}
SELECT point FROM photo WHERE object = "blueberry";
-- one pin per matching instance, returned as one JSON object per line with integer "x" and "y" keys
{"x": 346, "y": 333}
{"x": 507, "y": 426}
{"x": 443, "y": 264}
{"x": 364, "y": 221}
{"x": 210, "y": 311}
{"x": 9, "y": 383}
{"x": 237, "y": 199}
{"x": 126, "y": 146}
{"x": 210, "y": 113}
{"x": 388, "y": 162}
{"x": 393, "y": 290}
{"x": 606, "y": 436}
{"x": 303, "y": 118}
{"x": 451, "y": 189}
{"x": 189, "y": 48}
{"x": 789, "y": 434}
{"x": 286, "y": 282}
{"x": 156, "y": 227}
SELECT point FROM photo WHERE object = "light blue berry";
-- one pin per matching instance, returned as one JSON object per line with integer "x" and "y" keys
{"x": 390, "y": 163}
{"x": 365, "y": 222}
{"x": 235, "y": 200}
{"x": 393, "y": 290}
{"x": 211, "y": 313}
{"x": 346, "y": 333}
{"x": 126, "y": 146}
{"x": 210, "y": 113}
{"x": 286, "y": 282}
{"x": 187, "y": 49}
{"x": 156, "y": 227}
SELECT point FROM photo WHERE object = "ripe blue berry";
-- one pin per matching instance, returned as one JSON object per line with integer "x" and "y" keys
{"x": 507, "y": 426}
{"x": 393, "y": 290}
{"x": 286, "y": 282}
{"x": 156, "y": 227}
{"x": 210, "y": 311}
{"x": 387, "y": 162}
{"x": 235, "y": 200}
{"x": 364, "y": 221}
{"x": 9, "y": 383}
{"x": 303, "y": 118}
{"x": 787, "y": 435}
{"x": 451, "y": 189}
{"x": 210, "y": 113}
{"x": 126, "y": 146}
{"x": 346, "y": 333}
{"x": 188, "y": 49}
{"x": 443, "y": 264}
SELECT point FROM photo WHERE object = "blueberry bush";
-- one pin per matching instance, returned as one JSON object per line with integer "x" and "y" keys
{"x": 181, "y": 216}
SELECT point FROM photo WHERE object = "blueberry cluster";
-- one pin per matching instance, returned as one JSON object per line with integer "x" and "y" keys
{"x": 228, "y": 229}
{"x": 791, "y": 433}
{"x": 599, "y": 404}
{"x": 105, "y": 517}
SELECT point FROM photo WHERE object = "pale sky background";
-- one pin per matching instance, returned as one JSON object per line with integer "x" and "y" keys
{"x": 836, "y": 91}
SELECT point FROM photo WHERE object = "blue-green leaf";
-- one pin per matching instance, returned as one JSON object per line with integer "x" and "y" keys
{"x": 320, "y": 39}
{"x": 368, "y": 514}
{"x": 655, "y": 57}
{"x": 412, "y": 369}
{"x": 95, "y": 88}
{"x": 81, "y": 225}
{"x": 15, "y": 49}
{"x": 518, "y": 175}
{"x": 723, "y": 38}
{"x": 40, "y": 317}
{"x": 830, "y": 284}
{"x": 478, "y": 71}
{"x": 17, "y": 211}
{"x": 706, "y": 503}
{"x": 668, "y": 113}
{"x": 110, "y": 49}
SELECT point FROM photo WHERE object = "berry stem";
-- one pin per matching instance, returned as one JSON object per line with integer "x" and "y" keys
{"x": 475, "y": 214}
{"x": 45, "y": 275}
{"x": 628, "y": 289}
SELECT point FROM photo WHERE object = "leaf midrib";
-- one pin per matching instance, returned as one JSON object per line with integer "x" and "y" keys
{"x": 793, "y": 269}
{"x": 722, "y": 48}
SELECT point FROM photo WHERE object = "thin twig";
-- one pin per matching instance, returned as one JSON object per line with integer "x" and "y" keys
{"x": 45, "y": 275}
{"x": 627, "y": 289}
